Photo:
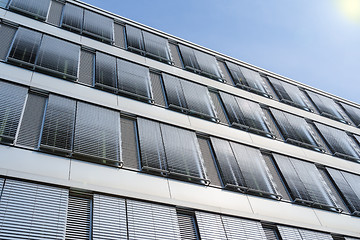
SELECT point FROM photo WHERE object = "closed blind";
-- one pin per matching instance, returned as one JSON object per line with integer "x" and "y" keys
{"x": 6, "y": 37}
{"x": 353, "y": 113}
{"x": 35, "y": 8}
{"x": 55, "y": 12}
{"x": 290, "y": 233}
{"x": 32, "y": 211}
{"x": 98, "y": 26}
{"x": 187, "y": 226}
{"x": 210, "y": 226}
{"x": 238, "y": 228}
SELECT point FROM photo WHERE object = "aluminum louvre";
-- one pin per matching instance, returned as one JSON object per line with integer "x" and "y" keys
{"x": 38, "y": 9}
{"x": 353, "y": 113}
{"x": 6, "y": 37}
{"x": 98, "y": 26}
{"x": 291, "y": 233}
{"x": 105, "y": 72}
{"x": 72, "y": 17}
{"x": 210, "y": 226}
{"x": 238, "y": 228}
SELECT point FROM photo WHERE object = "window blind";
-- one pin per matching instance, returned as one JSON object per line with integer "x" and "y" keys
{"x": 246, "y": 115}
{"x": 7, "y": 34}
{"x": 247, "y": 79}
{"x": 105, "y": 73}
{"x": 152, "y": 221}
{"x": 72, "y": 17}
{"x": 12, "y": 100}
{"x": 134, "y": 38}
{"x": 32, "y": 211}
{"x": 243, "y": 168}
{"x": 35, "y": 8}
{"x": 58, "y": 127}
{"x": 291, "y": 233}
{"x": 58, "y": 57}
{"x": 289, "y": 93}
{"x": 353, "y": 113}
{"x": 188, "y": 97}
{"x": 187, "y": 225}
{"x": 238, "y": 228}
{"x": 3, "y": 3}
{"x": 97, "y": 134}
{"x": 109, "y": 218}
{"x": 210, "y": 226}
{"x": 348, "y": 186}
{"x": 55, "y": 11}
{"x": 98, "y": 26}
{"x": 326, "y": 106}
{"x": 170, "y": 150}
{"x": 200, "y": 62}
{"x": 305, "y": 183}
{"x": 295, "y": 130}
{"x": 339, "y": 142}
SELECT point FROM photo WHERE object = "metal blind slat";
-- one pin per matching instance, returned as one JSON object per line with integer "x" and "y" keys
{"x": 119, "y": 34}
{"x": 105, "y": 73}
{"x": 32, "y": 211}
{"x": 237, "y": 228}
{"x": 55, "y": 12}
{"x": 220, "y": 113}
{"x": 78, "y": 218}
{"x": 86, "y": 69}
{"x": 157, "y": 89}
{"x": 98, "y": 26}
{"x": 35, "y": 8}
{"x": 32, "y": 120}
{"x": 353, "y": 113}
{"x": 128, "y": 143}
{"x": 289, "y": 233}
{"x": 7, "y": 34}
{"x": 109, "y": 218}
{"x": 209, "y": 163}
{"x": 210, "y": 226}
{"x": 175, "y": 55}
{"x": 311, "y": 235}
{"x": 187, "y": 226}
{"x": 72, "y": 17}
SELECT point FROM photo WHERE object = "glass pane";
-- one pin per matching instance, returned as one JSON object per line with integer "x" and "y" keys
{"x": 12, "y": 99}
{"x": 253, "y": 79}
{"x": 97, "y": 134}
{"x": 133, "y": 78}
{"x": 338, "y": 141}
{"x": 98, "y": 26}
{"x": 59, "y": 56}
{"x": 197, "y": 98}
{"x": 58, "y": 129}
{"x": 72, "y": 17}
{"x": 174, "y": 92}
{"x": 3, "y": 3}
{"x": 238, "y": 228}
{"x": 156, "y": 45}
{"x": 182, "y": 151}
{"x": 134, "y": 38}
{"x": 105, "y": 71}
{"x": 36, "y": 8}
{"x": 236, "y": 74}
{"x": 353, "y": 113}
{"x": 207, "y": 64}
{"x": 188, "y": 57}
{"x": 326, "y": 106}
{"x": 25, "y": 46}
{"x": 151, "y": 144}
{"x": 232, "y": 109}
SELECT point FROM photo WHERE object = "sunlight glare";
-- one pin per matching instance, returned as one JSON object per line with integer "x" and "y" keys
{"x": 351, "y": 9}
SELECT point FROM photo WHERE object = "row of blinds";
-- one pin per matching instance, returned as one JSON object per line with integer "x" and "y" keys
{"x": 200, "y": 62}
{"x": 243, "y": 168}
{"x": 353, "y": 113}
{"x": 121, "y": 76}
{"x": 36, "y": 8}
{"x": 291, "y": 233}
{"x": 244, "y": 114}
{"x": 45, "y": 53}
{"x": 188, "y": 97}
{"x": 147, "y": 43}
{"x": 170, "y": 150}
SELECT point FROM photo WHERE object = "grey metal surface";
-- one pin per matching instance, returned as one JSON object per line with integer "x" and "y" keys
{"x": 210, "y": 226}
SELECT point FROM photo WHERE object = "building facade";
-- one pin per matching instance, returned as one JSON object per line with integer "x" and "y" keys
{"x": 110, "y": 129}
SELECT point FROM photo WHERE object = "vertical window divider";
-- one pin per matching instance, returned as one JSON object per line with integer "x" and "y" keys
{"x": 21, "y": 118}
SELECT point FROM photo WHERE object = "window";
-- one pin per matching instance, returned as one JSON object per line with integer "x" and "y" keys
{"x": 245, "y": 115}
{"x": 109, "y": 217}
{"x": 58, "y": 128}
{"x": 248, "y": 79}
{"x": 339, "y": 142}
{"x": 97, "y": 134}
{"x": 32, "y": 211}
{"x": 301, "y": 234}
{"x": 348, "y": 186}
{"x": 188, "y": 97}
{"x": 289, "y": 94}
{"x": 200, "y": 62}
{"x": 88, "y": 23}
{"x": 243, "y": 168}
{"x": 105, "y": 73}
{"x": 210, "y": 226}
{"x": 3, "y": 3}
{"x": 238, "y": 228}
{"x": 353, "y": 113}
{"x": 51, "y": 55}
{"x": 187, "y": 224}
{"x": 12, "y": 100}
{"x": 38, "y": 9}
{"x": 58, "y": 57}
{"x": 295, "y": 130}
{"x": 305, "y": 183}
{"x": 326, "y": 106}
{"x": 170, "y": 151}
{"x": 7, "y": 34}
{"x": 147, "y": 44}
{"x": 152, "y": 221}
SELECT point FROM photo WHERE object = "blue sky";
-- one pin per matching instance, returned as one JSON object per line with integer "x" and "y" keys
{"x": 316, "y": 42}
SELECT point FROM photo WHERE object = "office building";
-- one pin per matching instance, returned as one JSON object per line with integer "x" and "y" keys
{"x": 110, "y": 129}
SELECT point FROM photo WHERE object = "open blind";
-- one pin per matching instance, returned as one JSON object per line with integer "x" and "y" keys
{"x": 353, "y": 113}
{"x": 348, "y": 185}
{"x": 12, "y": 100}
{"x": 72, "y": 17}
{"x": 246, "y": 115}
{"x": 210, "y": 226}
{"x": 291, "y": 233}
{"x": 326, "y": 106}
{"x": 305, "y": 182}
{"x": 188, "y": 97}
{"x": 109, "y": 218}
{"x": 105, "y": 73}
{"x": 243, "y": 168}
{"x": 58, "y": 128}
{"x": 294, "y": 129}
{"x": 289, "y": 93}
{"x": 32, "y": 211}
{"x": 35, "y": 8}
{"x": 98, "y": 26}
{"x": 134, "y": 38}
{"x": 152, "y": 221}
{"x": 339, "y": 142}
{"x": 97, "y": 134}
{"x": 238, "y": 228}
